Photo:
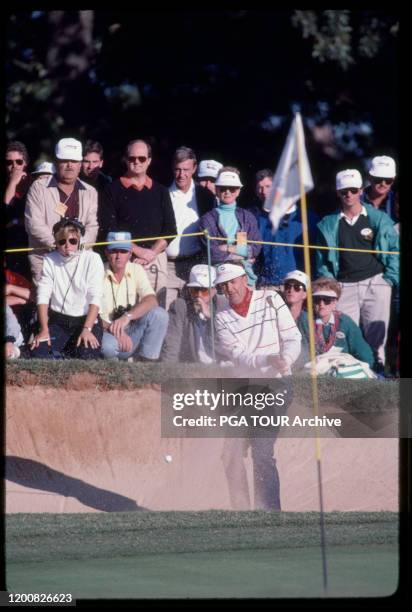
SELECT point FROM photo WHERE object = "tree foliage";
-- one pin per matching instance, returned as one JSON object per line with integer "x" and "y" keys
{"x": 342, "y": 36}
{"x": 222, "y": 81}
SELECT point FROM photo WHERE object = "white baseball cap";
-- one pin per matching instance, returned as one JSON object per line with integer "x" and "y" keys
{"x": 209, "y": 167}
{"x": 325, "y": 293}
{"x": 299, "y": 276}
{"x": 348, "y": 178}
{"x": 227, "y": 271}
{"x": 199, "y": 276}
{"x": 383, "y": 167}
{"x": 228, "y": 179}
{"x": 69, "y": 148}
{"x": 44, "y": 168}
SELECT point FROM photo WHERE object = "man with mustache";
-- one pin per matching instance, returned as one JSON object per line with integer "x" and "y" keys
{"x": 62, "y": 195}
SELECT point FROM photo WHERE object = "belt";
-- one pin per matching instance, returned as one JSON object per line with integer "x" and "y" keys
{"x": 185, "y": 257}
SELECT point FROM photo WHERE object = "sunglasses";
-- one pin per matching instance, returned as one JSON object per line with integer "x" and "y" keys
{"x": 231, "y": 189}
{"x": 10, "y": 162}
{"x": 325, "y": 300}
{"x": 344, "y": 192}
{"x": 203, "y": 290}
{"x": 295, "y": 286}
{"x": 134, "y": 158}
{"x": 69, "y": 240}
{"x": 378, "y": 179}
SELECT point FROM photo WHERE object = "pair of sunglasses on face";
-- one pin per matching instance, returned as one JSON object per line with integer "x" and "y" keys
{"x": 231, "y": 189}
{"x": 134, "y": 158}
{"x": 344, "y": 192}
{"x": 326, "y": 300}
{"x": 63, "y": 241}
{"x": 10, "y": 162}
{"x": 295, "y": 286}
{"x": 376, "y": 180}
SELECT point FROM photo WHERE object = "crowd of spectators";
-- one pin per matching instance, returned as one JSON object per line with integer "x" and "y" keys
{"x": 158, "y": 299}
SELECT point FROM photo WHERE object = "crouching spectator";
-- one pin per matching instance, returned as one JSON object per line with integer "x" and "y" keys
{"x": 68, "y": 298}
{"x": 133, "y": 321}
{"x": 189, "y": 336}
{"x": 14, "y": 337}
{"x": 339, "y": 342}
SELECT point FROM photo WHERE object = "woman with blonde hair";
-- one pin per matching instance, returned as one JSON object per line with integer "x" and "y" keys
{"x": 68, "y": 298}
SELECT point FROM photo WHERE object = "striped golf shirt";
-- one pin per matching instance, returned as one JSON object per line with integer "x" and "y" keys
{"x": 267, "y": 329}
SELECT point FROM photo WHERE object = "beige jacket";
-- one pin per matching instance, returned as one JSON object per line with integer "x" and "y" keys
{"x": 40, "y": 214}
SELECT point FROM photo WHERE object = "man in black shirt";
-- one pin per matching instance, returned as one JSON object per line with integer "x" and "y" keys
{"x": 137, "y": 204}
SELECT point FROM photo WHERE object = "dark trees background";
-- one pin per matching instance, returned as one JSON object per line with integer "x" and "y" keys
{"x": 225, "y": 82}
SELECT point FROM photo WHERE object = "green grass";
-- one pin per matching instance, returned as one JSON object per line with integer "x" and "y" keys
{"x": 202, "y": 554}
{"x": 36, "y": 537}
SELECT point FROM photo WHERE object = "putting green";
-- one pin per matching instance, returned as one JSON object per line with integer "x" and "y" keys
{"x": 353, "y": 571}
{"x": 201, "y": 554}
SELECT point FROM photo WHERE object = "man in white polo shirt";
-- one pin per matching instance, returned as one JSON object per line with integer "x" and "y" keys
{"x": 189, "y": 203}
{"x": 256, "y": 331}
{"x": 366, "y": 279}
{"x": 132, "y": 320}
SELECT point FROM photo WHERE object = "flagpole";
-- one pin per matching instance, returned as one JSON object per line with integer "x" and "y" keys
{"x": 315, "y": 397}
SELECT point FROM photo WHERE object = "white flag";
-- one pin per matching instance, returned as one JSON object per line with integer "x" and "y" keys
{"x": 285, "y": 189}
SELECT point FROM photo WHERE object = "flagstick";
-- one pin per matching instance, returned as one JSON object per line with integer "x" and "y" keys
{"x": 299, "y": 131}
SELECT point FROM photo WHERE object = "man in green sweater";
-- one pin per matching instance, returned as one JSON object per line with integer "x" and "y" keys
{"x": 366, "y": 279}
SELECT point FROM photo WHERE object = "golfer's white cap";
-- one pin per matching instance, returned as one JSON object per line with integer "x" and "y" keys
{"x": 227, "y": 272}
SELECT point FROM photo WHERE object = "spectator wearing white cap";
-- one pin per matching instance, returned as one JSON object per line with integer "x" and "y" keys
{"x": 366, "y": 278}
{"x": 134, "y": 324}
{"x": 62, "y": 195}
{"x": 380, "y": 192}
{"x": 234, "y": 224}
{"x": 295, "y": 284}
{"x": 334, "y": 332}
{"x": 207, "y": 174}
{"x": 189, "y": 336}
{"x": 43, "y": 169}
{"x": 189, "y": 203}
{"x": 256, "y": 331}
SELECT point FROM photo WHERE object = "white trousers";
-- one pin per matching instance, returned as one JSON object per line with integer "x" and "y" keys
{"x": 368, "y": 303}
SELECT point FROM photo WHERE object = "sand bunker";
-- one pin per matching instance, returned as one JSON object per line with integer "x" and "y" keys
{"x": 86, "y": 450}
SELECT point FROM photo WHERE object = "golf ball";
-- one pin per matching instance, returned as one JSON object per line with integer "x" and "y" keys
{"x": 168, "y": 458}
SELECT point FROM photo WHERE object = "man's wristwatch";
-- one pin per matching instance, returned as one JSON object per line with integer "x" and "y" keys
{"x": 128, "y": 315}
{"x": 88, "y": 328}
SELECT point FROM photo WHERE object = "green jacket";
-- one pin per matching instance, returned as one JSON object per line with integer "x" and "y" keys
{"x": 348, "y": 337}
{"x": 386, "y": 239}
